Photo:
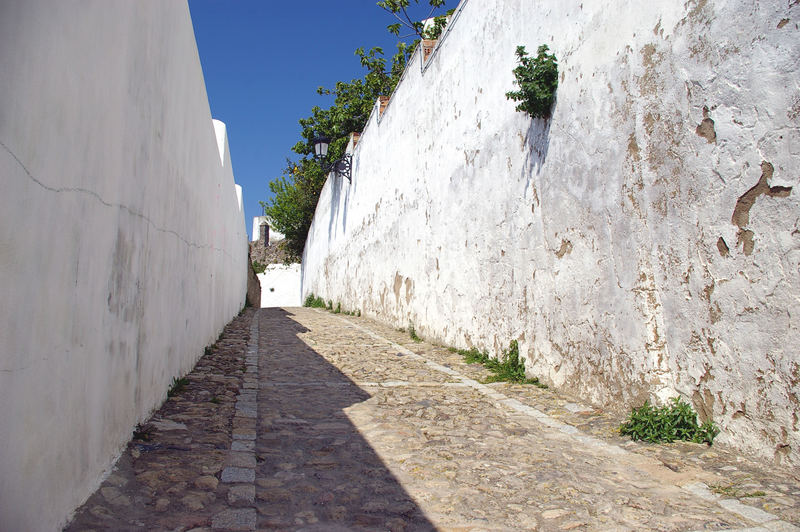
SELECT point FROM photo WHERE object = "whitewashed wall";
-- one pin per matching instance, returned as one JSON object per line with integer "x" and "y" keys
{"x": 280, "y": 285}
{"x": 607, "y": 239}
{"x": 123, "y": 249}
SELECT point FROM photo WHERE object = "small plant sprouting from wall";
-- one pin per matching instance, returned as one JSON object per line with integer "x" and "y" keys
{"x": 510, "y": 368}
{"x": 675, "y": 421}
{"x": 537, "y": 79}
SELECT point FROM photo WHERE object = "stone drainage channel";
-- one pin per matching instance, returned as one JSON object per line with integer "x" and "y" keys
{"x": 240, "y": 471}
{"x": 306, "y": 420}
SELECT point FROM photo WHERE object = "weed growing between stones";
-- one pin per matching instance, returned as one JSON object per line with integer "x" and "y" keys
{"x": 510, "y": 368}
{"x": 675, "y": 421}
{"x": 317, "y": 302}
{"x": 177, "y": 386}
{"x": 209, "y": 349}
{"x": 412, "y": 333}
{"x": 143, "y": 432}
{"x": 314, "y": 302}
{"x": 733, "y": 491}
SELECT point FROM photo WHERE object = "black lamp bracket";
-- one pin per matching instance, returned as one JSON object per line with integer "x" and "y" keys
{"x": 344, "y": 166}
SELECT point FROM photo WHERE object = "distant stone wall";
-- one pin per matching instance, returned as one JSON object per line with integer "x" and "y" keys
{"x": 253, "y": 286}
{"x": 642, "y": 243}
{"x": 123, "y": 247}
{"x": 272, "y": 254}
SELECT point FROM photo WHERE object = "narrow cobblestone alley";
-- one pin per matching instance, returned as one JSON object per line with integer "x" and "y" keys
{"x": 299, "y": 419}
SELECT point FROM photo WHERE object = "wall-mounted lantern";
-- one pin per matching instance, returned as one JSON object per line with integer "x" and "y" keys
{"x": 341, "y": 167}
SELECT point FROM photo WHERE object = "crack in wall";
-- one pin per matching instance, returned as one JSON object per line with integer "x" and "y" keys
{"x": 23, "y": 368}
{"x": 741, "y": 213}
{"x": 119, "y": 206}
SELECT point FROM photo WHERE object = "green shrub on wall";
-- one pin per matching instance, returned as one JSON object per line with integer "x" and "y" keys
{"x": 537, "y": 79}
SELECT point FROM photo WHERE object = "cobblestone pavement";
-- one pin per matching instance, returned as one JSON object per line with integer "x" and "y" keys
{"x": 299, "y": 419}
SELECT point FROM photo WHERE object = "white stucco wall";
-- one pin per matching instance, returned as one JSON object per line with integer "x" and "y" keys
{"x": 604, "y": 239}
{"x": 123, "y": 250}
{"x": 280, "y": 286}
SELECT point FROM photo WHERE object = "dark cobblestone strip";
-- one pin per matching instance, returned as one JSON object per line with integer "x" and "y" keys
{"x": 240, "y": 467}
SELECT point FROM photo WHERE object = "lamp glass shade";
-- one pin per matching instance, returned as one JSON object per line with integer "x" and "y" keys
{"x": 321, "y": 146}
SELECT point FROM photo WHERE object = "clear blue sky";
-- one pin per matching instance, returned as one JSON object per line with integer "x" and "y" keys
{"x": 262, "y": 63}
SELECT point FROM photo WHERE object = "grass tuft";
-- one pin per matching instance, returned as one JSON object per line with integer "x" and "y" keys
{"x": 314, "y": 302}
{"x": 317, "y": 302}
{"x": 143, "y": 432}
{"x": 733, "y": 491}
{"x": 177, "y": 386}
{"x": 412, "y": 333}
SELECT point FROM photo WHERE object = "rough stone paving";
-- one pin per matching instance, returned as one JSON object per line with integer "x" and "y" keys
{"x": 299, "y": 419}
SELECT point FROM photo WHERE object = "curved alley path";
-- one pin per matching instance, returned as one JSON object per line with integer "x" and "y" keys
{"x": 299, "y": 419}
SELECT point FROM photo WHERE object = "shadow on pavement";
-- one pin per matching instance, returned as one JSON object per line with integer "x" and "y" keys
{"x": 315, "y": 471}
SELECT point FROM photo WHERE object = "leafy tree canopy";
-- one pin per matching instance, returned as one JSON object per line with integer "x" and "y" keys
{"x": 399, "y": 9}
{"x": 296, "y": 192}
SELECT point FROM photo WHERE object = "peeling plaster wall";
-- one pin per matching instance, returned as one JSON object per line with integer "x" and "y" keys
{"x": 643, "y": 243}
{"x": 123, "y": 248}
